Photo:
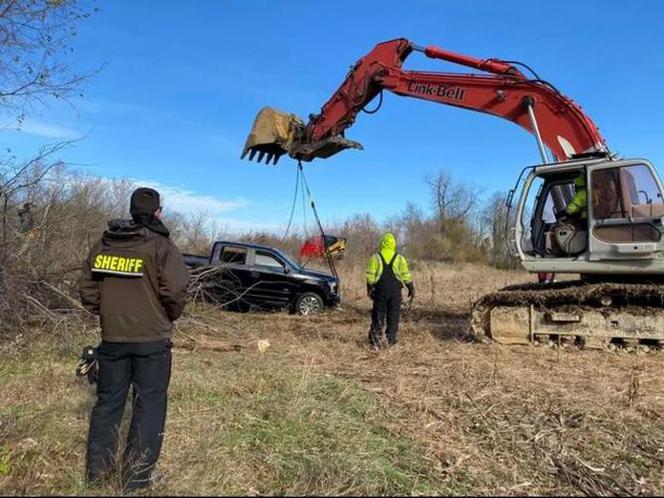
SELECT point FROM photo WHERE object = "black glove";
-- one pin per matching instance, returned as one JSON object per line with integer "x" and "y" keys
{"x": 89, "y": 365}
{"x": 411, "y": 290}
{"x": 371, "y": 291}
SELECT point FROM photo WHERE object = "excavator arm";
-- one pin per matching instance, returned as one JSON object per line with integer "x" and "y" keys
{"x": 501, "y": 90}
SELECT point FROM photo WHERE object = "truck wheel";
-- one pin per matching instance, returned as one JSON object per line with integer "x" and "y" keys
{"x": 309, "y": 303}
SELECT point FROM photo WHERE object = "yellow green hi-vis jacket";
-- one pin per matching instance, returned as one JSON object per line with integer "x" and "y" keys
{"x": 387, "y": 248}
{"x": 578, "y": 204}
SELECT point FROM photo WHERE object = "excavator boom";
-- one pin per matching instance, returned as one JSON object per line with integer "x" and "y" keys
{"x": 501, "y": 90}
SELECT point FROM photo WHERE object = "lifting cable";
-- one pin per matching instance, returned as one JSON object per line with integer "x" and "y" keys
{"x": 304, "y": 203}
{"x": 292, "y": 211}
{"x": 330, "y": 260}
{"x": 300, "y": 186}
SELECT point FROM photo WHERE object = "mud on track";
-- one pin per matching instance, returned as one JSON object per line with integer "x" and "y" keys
{"x": 596, "y": 315}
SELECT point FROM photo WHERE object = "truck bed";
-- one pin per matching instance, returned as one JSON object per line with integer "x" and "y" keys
{"x": 194, "y": 260}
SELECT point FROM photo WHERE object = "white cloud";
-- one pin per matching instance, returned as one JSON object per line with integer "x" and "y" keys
{"x": 188, "y": 201}
{"x": 41, "y": 129}
{"x": 216, "y": 210}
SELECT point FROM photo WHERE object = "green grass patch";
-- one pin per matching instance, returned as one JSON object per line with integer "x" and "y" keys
{"x": 297, "y": 433}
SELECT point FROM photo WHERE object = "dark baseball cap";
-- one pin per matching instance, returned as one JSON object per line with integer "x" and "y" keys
{"x": 144, "y": 201}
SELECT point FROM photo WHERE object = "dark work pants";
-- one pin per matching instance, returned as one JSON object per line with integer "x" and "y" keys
{"x": 147, "y": 367}
{"x": 386, "y": 308}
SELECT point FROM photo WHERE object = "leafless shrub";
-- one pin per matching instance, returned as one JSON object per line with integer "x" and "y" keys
{"x": 50, "y": 217}
{"x": 40, "y": 232}
{"x": 194, "y": 232}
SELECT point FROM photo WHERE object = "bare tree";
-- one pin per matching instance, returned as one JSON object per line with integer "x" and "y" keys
{"x": 454, "y": 204}
{"x": 17, "y": 181}
{"x": 452, "y": 200}
{"x": 415, "y": 229}
{"x": 495, "y": 220}
{"x": 35, "y": 43}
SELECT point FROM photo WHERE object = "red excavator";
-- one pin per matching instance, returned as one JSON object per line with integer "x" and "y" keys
{"x": 613, "y": 241}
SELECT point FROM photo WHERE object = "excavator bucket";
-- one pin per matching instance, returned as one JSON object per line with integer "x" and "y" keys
{"x": 276, "y": 133}
{"x": 273, "y": 134}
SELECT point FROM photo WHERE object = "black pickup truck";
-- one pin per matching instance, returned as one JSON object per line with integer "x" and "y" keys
{"x": 262, "y": 277}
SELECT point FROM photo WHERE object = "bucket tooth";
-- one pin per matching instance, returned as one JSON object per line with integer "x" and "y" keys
{"x": 261, "y": 154}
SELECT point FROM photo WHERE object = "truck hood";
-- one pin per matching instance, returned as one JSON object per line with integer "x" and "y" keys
{"x": 317, "y": 275}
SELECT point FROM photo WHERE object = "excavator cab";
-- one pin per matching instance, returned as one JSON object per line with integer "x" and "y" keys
{"x": 620, "y": 225}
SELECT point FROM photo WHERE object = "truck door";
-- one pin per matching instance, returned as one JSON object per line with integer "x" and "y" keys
{"x": 269, "y": 275}
{"x": 232, "y": 284}
{"x": 626, "y": 208}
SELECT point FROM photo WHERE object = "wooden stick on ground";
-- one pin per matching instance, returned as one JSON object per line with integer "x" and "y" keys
{"x": 203, "y": 342}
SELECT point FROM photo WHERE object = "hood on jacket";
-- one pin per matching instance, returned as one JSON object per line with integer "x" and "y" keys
{"x": 123, "y": 229}
{"x": 152, "y": 223}
{"x": 387, "y": 245}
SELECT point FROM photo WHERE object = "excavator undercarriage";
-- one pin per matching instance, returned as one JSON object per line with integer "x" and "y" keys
{"x": 601, "y": 315}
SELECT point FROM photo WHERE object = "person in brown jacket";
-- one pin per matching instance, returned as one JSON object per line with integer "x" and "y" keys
{"x": 134, "y": 278}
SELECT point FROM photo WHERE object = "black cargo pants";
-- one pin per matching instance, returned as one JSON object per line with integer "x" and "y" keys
{"x": 386, "y": 312}
{"x": 147, "y": 368}
{"x": 386, "y": 305}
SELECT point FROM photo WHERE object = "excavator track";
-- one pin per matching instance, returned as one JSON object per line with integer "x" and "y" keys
{"x": 602, "y": 315}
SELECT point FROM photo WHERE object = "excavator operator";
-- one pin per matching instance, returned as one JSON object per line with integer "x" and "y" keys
{"x": 577, "y": 208}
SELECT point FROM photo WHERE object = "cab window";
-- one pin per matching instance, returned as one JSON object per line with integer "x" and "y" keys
{"x": 233, "y": 255}
{"x": 645, "y": 198}
{"x": 630, "y": 196}
{"x": 607, "y": 202}
{"x": 546, "y": 197}
{"x": 266, "y": 259}
{"x": 626, "y": 192}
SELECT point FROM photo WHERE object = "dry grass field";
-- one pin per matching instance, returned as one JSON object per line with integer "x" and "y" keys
{"x": 312, "y": 411}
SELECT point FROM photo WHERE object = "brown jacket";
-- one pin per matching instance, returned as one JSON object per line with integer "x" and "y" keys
{"x": 135, "y": 280}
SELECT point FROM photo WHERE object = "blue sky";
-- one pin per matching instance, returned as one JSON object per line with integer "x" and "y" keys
{"x": 182, "y": 82}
